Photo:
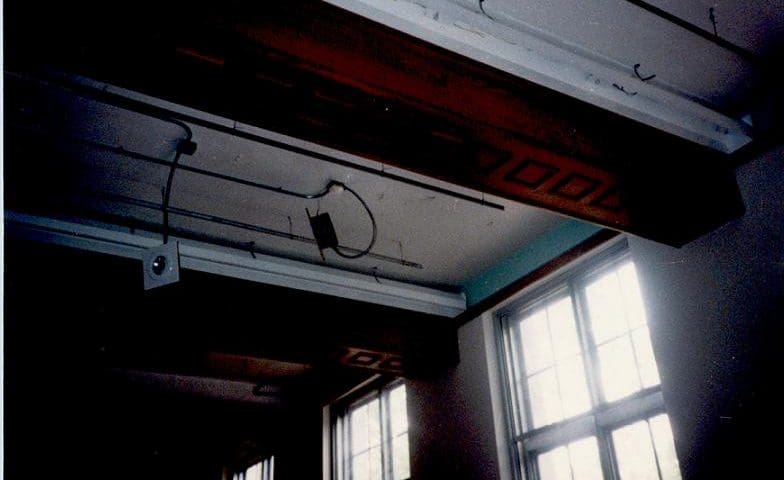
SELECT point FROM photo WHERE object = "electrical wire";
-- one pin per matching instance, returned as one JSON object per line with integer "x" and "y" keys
{"x": 170, "y": 179}
{"x": 174, "y": 165}
{"x": 364, "y": 252}
{"x": 166, "y": 114}
{"x": 230, "y": 223}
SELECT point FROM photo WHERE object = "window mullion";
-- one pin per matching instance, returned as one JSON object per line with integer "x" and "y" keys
{"x": 513, "y": 398}
{"x": 385, "y": 412}
{"x": 583, "y": 319}
{"x": 592, "y": 373}
{"x": 521, "y": 388}
{"x": 607, "y": 450}
{"x": 531, "y": 465}
{"x": 655, "y": 452}
{"x": 348, "y": 448}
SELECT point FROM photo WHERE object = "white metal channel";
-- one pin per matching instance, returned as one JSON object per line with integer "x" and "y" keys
{"x": 524, "y": 51}
{"x": 238, "y": 264}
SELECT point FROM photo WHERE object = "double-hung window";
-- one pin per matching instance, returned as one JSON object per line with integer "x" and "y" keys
{"x": 370, "y": 437}
{"x": 263, "y": 470}
{"x": 583, "y": 384}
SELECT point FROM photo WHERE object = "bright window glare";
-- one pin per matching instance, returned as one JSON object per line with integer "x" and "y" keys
{"x": 264, "y": 470}
{"x": 606, "y": 308}
{"x": 545, "y": 400}
{"x": 553, "y": 363}
{"x": 399, "y": 426}
{"x": 373, "y": 445}
{"x": 634, "y": 452}
{"x": 577, "y": 461}
{"x": 619, "y": 327}
{"x": 574, "y": 392}
{"x": 400, "y": 462}
{"x": 665, "y": 447}
{"x": 397, "y": 405}
{"x": 580, "y": 362}
{"x": 537, "y": 351}
{"x": 584, "y": 455}
{"x": 646, "y": 362}
{"x": 554, "y": 465}
{"x": 618, "y": 369}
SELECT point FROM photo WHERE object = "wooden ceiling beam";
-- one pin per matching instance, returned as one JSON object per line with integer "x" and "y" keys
{"x": 312, "y": 70}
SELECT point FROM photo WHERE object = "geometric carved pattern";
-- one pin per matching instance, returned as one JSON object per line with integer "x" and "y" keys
{"x": 363, "y": 359}
{"x": 609, "y": 200}
{"x": 531, "y": 173}
{"x": 373, "y": 360}
{"x": 489, "y": 158}
{"x": 575, "y": 186}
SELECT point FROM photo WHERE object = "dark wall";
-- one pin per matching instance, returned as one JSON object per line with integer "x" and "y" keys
{"x": 451, "y": 430}
{"x": 716, "y": 309}
{"x": 68, "y": 416}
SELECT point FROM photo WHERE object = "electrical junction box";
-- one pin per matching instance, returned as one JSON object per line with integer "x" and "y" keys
{"x": 161, "y": 265}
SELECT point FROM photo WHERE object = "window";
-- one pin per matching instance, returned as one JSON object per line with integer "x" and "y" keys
{"x": 583, "y": 385}
{"x": 264, "y": 470}
{"x": 371, "y": 437}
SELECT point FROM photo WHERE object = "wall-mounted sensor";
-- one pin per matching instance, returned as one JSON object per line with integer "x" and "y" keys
{"x": 161, "y": 265}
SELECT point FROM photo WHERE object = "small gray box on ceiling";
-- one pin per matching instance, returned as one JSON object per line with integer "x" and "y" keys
{"x": 161, "y": 265}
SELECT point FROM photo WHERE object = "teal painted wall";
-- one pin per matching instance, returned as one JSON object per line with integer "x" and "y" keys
{"x": 547, "y": 247}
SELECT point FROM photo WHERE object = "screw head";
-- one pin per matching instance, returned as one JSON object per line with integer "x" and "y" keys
{"x": 159, "y": 265}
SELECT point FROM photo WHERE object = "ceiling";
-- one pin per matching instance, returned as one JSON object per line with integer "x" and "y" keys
{"x": 697, "y": 61}
{"x": 208, "y": 336}
{"x": 73, "y": 152}
{"x": 424, "y": 236}
{"x": 621, "y": 32}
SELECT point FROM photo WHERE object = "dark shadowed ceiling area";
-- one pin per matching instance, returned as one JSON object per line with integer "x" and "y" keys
{"x": 78, "y": 157}
{"x": 459, "y": 133}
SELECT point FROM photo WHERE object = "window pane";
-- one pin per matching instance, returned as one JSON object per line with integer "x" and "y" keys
{"x": 649, "y": 373}
{"x": 574, "y": 389}
{"x": 606, "y": 308}
{"x": 359, "y": 429}
{"x": 400, "y": 460}
{"x": 367, "y": 465}
{"x": 545, "y": 401}
{"x": 635, "y": 310}
{"x": 618, "y": 369}
{"x": 563, "y": 329}
{"x": 665, "y": 448}
{"x": 397, "y": 410}
{"x": 634, "y": 452}
{"x": 584, "y": 455}
{"x": 374, "y": 423}
{"x": 375, "y": 463}
{"x": 360, "y": 466}
{"x": 579, "y": 461}
{"x": 534, "y": 334}
{"x": 554, "y": 465}
{"x": 253, "y": 473}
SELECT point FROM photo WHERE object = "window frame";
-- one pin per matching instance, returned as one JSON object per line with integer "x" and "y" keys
{"x": 526, "y": 444}
{"x": 266, "y": 467}
{"x": 340, "y": 434}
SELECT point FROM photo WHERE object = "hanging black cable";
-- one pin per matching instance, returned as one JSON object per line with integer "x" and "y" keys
{"x": 240, "y": 225}
{"x": 185, "y": 146}
{"x": 364, "y": 252}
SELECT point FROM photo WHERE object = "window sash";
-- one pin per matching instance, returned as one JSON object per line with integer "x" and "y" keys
{"x": 526, "y": 442}
{"x": 342, "y": 434}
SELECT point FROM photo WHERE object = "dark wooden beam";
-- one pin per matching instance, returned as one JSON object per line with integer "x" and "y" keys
{"x": 312, "y": 70}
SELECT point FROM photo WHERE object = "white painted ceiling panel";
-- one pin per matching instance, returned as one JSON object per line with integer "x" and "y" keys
{"x": 617, "y": 31}
{"x": 424, "y": 237}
